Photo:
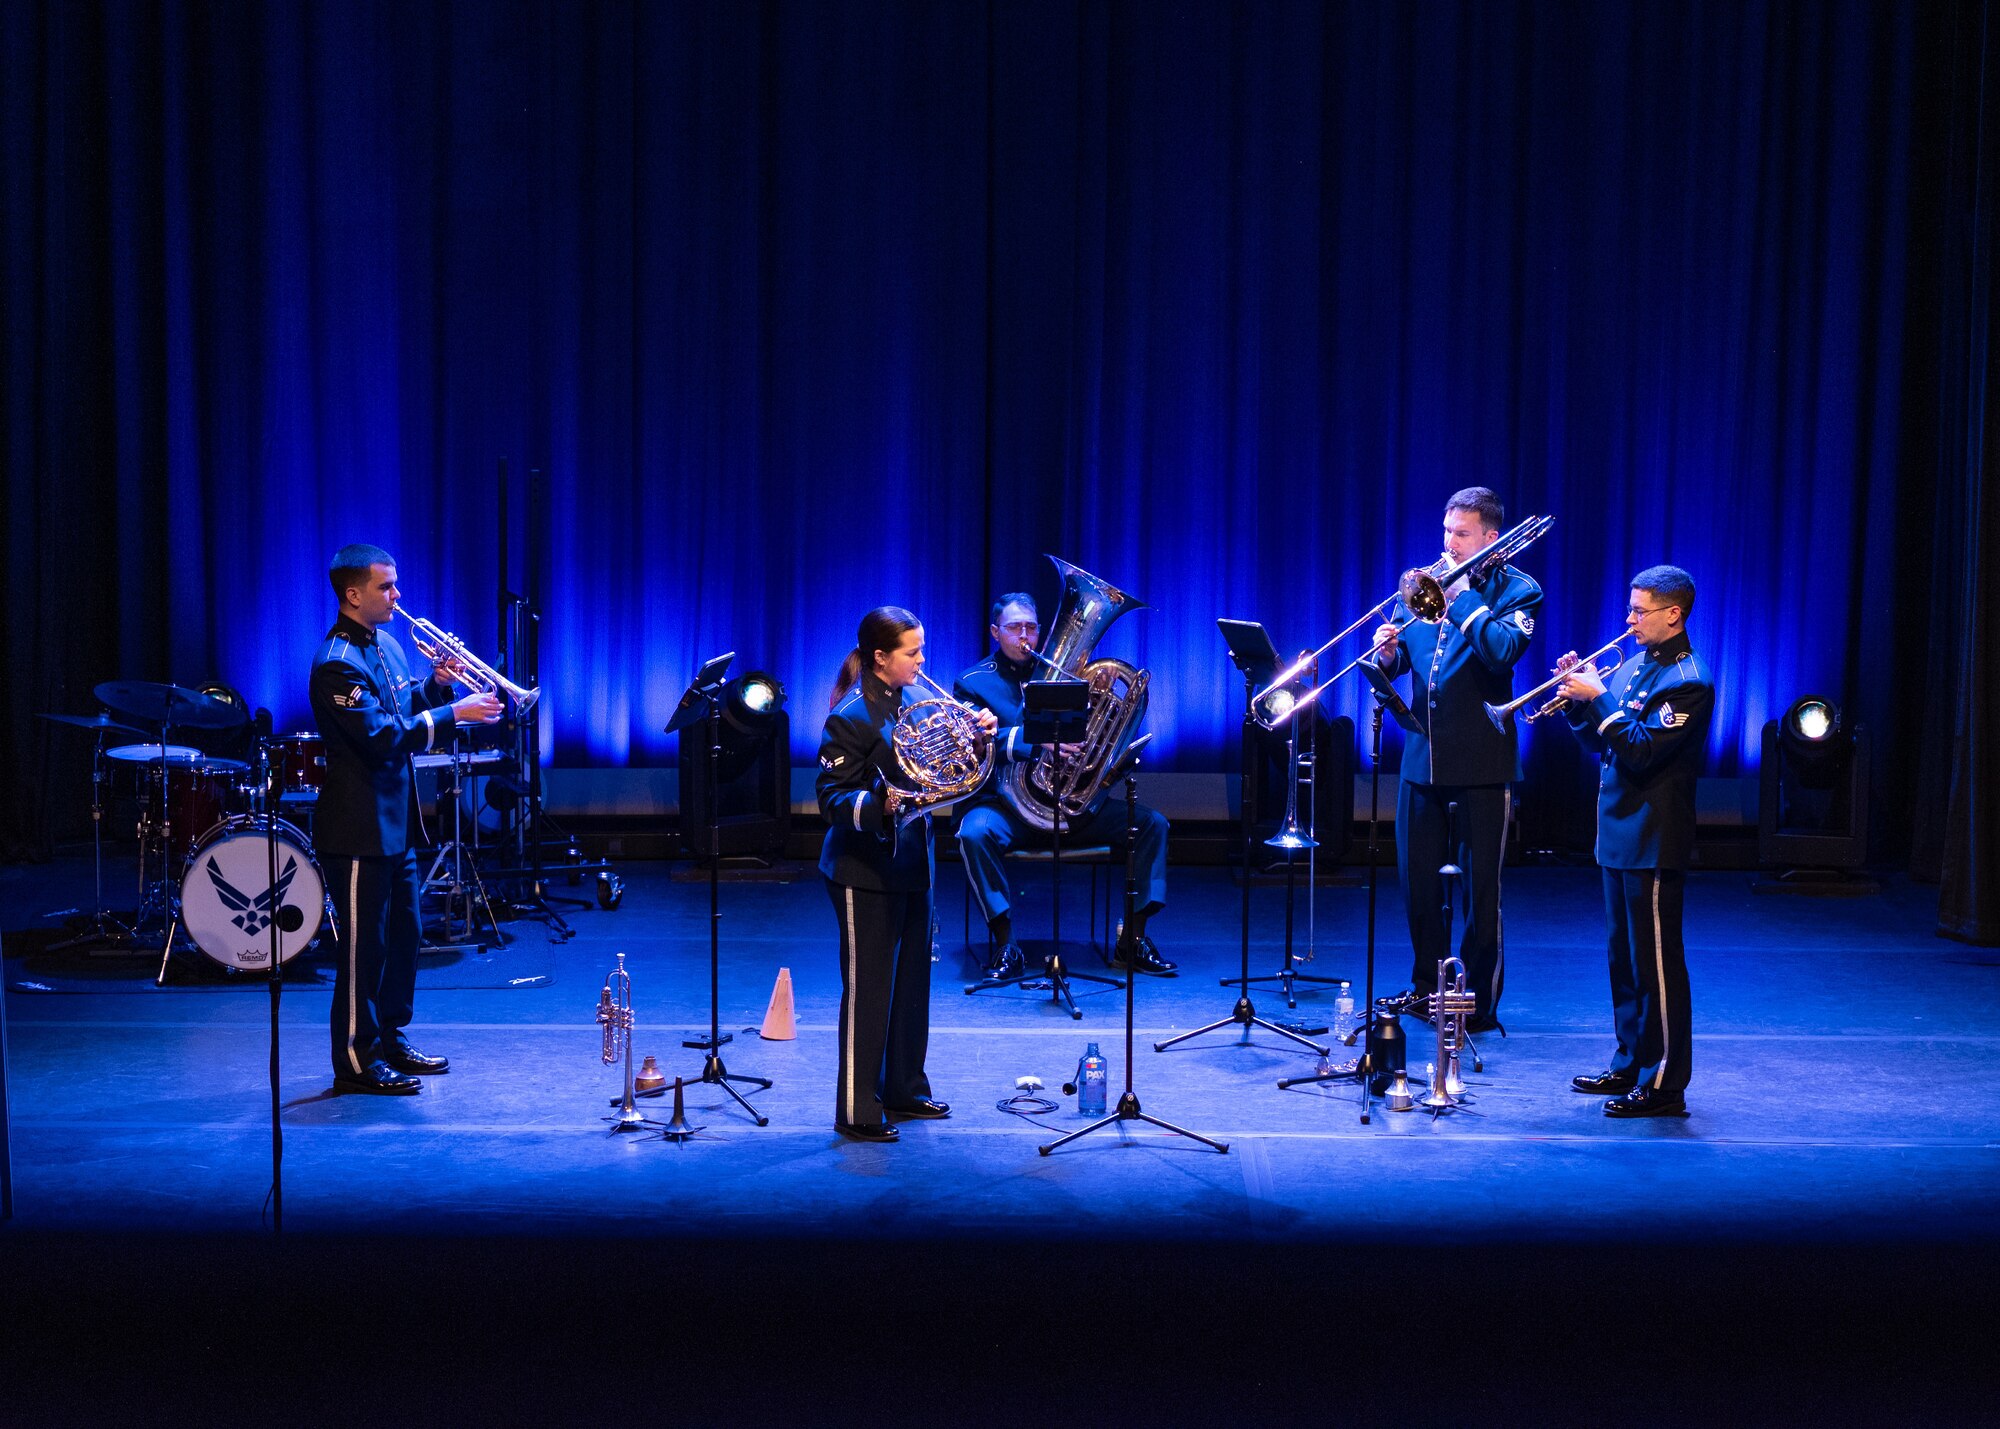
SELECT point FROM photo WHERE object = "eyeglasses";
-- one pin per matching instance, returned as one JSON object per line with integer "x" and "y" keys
{"x": 1642, "y": 611}
{"x": 1022, "y": 627}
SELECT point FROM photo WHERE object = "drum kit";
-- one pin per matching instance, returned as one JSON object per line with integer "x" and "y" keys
{"x": 210, "y": 829}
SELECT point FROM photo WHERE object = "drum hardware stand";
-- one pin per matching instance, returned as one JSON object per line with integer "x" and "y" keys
{"x": 455, "y": 864}
{"x": 1057, "y": 974}
{"x": 706, "y": 690}
{"x": 1244, "y": 1014}
{"x": 101, "y": 930}
{"x": 1128, "y": 1108}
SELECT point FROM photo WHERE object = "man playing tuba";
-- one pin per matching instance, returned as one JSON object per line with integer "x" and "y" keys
{"x": 992, "y": 825}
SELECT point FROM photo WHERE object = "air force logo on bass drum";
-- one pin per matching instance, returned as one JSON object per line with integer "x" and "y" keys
{"x": 253, "y": 915}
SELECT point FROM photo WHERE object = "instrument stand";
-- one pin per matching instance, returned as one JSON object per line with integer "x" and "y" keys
{"x": 1290, "y": 838}
{"x": 1053, "y": 968}
{"x": 708, "y": 684}
{"x": 100, "y": 929}
{"x": 1244, "y": 1014}
{"x": 1362, "y": 1069}
{"x": 1128, "y": 1108}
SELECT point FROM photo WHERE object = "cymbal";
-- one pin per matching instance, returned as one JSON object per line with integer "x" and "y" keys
{"x": 98, "y": 721}
{"x": 175, "y": 706}
{"x": 160, "y": 754}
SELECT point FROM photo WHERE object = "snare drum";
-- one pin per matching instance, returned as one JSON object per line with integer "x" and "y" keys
{"x": 227, "y": 904}
{"x": 298, "y": 763}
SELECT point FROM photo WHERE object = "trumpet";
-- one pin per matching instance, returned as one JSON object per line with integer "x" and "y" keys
{"x": 438, "y": 645}
{"x": 1451, "y": 1005}
{"x": 1500, "y": 714}
{"x": 614, "y": 1015}
{"x": 1421, "y": 592}
{"x": 941, "y": 747}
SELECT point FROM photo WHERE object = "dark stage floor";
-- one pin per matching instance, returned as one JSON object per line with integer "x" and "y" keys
{"x": 1823, "y": 1224}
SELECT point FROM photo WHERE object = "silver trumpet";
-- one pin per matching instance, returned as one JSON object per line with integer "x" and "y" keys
{"x": 614, "y": 1015}
{"x": 438, "y": 645}
{"x": 1451, "y": 1005}
{"x": 1500, "y": 714}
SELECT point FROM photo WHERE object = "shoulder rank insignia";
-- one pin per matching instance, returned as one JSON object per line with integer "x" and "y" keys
{"x": 351, "y": 700}
{"x": 1669, "y": 718}
{"x": 832, "y": 761}
{"x": 1525, "y": 621}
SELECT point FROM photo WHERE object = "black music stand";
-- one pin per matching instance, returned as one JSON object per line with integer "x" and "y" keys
{"x": 1128, "y": 1104}
{"x": 1055, "y": 712}
{"x": 1249, "y": 659}
{"x": 703, "y": 701}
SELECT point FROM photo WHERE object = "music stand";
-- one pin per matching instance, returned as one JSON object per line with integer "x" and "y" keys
{"x": 1250, "y": 659}
{"x": 1054, "y": 712}
{"x": 703, "y": 701}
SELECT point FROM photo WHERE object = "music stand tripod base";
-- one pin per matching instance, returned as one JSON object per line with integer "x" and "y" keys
{"x": 1059, "y": 976}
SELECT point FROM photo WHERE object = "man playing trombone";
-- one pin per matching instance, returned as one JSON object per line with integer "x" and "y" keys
{"x": 1651, "y": 736}
{"x": 1456, "y": 756}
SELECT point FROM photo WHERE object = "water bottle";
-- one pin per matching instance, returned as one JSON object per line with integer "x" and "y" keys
{"x": 1092, "y": 1075}
{"x": 1343, "y": 1013}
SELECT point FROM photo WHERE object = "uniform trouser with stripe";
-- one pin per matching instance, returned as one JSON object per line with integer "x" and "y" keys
{"x": 380, "y": 931}
{"x": 989, "y": 831}
{"x": 1424, "y": 844}
{"x": 1649, "y": 977}
{"x": 885, "y": 1001}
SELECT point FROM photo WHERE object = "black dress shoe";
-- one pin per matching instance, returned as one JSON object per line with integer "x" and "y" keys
{"x": 398, "y": 1053}
{"x": 1141, "y": 956}
{"x": 929, "y": 1108}
{"x": 872, "y": 1131}
{"x": 1606, "y": 1083}
{"x": 1008, "y": 962}
{"x": 377, "y": 1079}
{"x": 1647, "y": 1101}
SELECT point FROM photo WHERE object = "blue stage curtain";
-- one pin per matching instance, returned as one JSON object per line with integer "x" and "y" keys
{"x": 801, "y": 308}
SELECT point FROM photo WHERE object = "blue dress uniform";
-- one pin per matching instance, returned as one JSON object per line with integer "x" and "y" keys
{"x": 1650, "y": 728}
{"x": 1457, "y": 756}
{"x": 880, "y": 884}
{"x": 990, "y": 826}
{"x": 373, "y": 716}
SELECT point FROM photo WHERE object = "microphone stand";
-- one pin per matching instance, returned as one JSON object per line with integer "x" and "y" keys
{"x": 1128, "y": 1108}
{"x": 1244, "y": 1014}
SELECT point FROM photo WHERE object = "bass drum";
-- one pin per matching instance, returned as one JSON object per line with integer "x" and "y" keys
{"x": 228, "y": 901}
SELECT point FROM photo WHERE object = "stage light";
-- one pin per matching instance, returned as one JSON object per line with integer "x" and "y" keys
{"x": 1812, "y": 807}
{"x": 752, "y": 772}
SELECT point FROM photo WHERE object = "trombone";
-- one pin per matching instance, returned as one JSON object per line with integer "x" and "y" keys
{"x": 437, "y": 645}
{"x": 1500, "y": 714}
{"x": 1421, "y": 591}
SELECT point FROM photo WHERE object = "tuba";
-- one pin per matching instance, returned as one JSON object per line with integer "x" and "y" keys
{"x": 1071, "y": 776}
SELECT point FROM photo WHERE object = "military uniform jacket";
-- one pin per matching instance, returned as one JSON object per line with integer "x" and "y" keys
{"x": 1650, "y": 729}
{"x": 856, "y": 767}
{"x": 996, "y": 684}
{"x": 1461, "y": 664}
{"x": 373, "y": 715}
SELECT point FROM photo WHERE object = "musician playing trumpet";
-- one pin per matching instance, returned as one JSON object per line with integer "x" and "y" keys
{"x": 1457, "y": 756}
{"x": 1648, "y": 725}
{"x": 878, "y": 869}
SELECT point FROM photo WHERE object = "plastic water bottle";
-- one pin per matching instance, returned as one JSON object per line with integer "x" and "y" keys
{"x": 1343, "y": 1013}
{"x": 1091, "y": 1079}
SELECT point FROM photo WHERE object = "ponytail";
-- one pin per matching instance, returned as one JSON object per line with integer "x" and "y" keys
{"x": 850, "y": 671}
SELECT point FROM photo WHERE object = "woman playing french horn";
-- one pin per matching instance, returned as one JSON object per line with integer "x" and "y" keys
{"x": 890, "y": 752}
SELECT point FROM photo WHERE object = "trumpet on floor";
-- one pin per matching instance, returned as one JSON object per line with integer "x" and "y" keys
{"x": 1500, "y": 714}
{"x": 438, "y": 645}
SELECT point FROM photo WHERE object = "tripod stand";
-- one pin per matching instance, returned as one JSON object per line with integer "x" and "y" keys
{"x": 1128, "y": 1108}
{"x": 101, "y": 929}
{"x": 1244, "y": 1014}
{"x": 707, "y": 690}
{"x": 454, "y": 872}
